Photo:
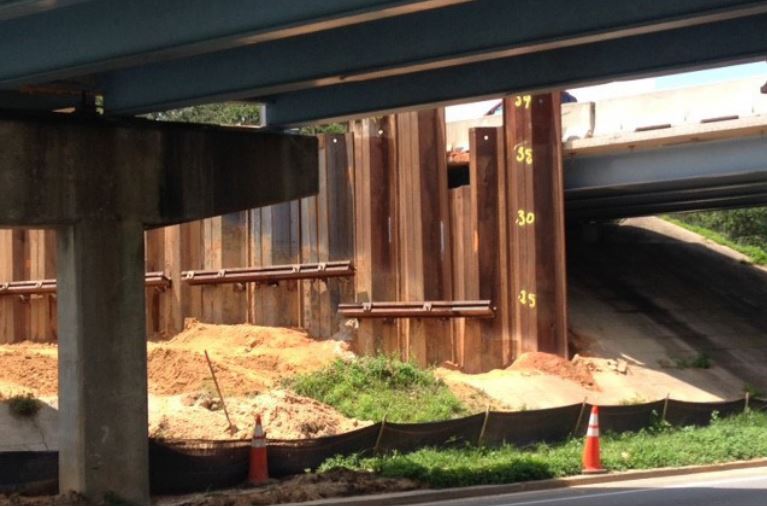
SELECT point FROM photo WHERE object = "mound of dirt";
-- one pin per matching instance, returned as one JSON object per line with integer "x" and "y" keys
{"x": 247, "y": 359}
{"x": 554, "y": 365}
{"x": 285, "y": 415}
{"x": 28, "y": 367}
{"x": 176, "y": 371}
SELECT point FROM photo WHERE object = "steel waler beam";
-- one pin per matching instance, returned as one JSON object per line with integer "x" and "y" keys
{"x": 418, "y": 310}
{"x": 317, "y": 270}
{"x": 155, "y": 279}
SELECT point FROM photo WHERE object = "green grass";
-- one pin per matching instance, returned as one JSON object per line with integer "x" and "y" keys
{"x": 24, "y": 405}
{"x": 756, "y": 254}
{"x": 734, "y": 438}
{"x": 701, "y": 361}
{"x": 370, "y": 388}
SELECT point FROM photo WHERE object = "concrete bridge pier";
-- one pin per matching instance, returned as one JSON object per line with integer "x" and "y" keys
{"x": 103, "y": 440}
{"x": 101, "y": 183}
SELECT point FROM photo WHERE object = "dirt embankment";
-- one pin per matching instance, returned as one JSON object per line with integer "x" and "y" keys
{"x": 250, "y": 362}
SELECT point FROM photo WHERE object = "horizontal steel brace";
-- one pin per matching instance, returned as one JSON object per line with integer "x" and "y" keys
{"x": 96, "y": 36}
{"x": 421, "y": 41}
{"x": 311, "y": 271}
{"x": 155, "y": 279}
{"x": 418, "y": 310}
{"x": 685, "y": 48}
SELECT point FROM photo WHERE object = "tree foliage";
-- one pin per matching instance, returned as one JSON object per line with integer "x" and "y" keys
{"x": 234, "y": 113}
{"x": 747, "y": 226}
{"x": 217, "y": 114}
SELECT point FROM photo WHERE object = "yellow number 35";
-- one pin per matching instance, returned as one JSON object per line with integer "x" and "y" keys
{"x": 524, "y": 155}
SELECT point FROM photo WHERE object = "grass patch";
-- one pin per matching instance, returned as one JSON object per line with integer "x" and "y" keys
{"x": 701, "y": 361}
{"x": 756, "y": 254}
{"x": 371, "y": 387}
{"x": 24, "y": 405}
{"x": 728, "y": 439}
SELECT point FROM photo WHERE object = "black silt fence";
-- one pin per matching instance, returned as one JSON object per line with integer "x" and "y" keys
{"x": 179, "y": 466}
{"x": 182, "y": 466}
{"x": 29, "y": 471}
{"x": 623, "y": 418}
{"x": 409, "y": 437}
{"x": 685, "y": 413}
{"x": 288, "y": 457}
{"x": 532, "y": 426}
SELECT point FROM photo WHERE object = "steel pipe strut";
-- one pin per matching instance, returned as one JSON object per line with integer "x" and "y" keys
{"x": 312, "y": 271}
{"x": 418, "y": 309}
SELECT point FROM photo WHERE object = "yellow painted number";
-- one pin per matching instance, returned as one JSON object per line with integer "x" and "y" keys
{"x": 521, "y": 100}
{"x": 527, "y": 298}
{"x": 524, "y": 218}
{"x": 524, "y": 154}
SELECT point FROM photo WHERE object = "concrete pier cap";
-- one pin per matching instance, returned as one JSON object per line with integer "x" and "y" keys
{"x": 101, "y": 183}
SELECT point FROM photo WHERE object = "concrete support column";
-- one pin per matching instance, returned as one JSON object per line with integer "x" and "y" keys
{"x": 102, "y": 360}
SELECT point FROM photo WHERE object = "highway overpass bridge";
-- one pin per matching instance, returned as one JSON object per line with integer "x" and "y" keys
{"x": 702, "y": 147}
{"x": 101, "y": 179}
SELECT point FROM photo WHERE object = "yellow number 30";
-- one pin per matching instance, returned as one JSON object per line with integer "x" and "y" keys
{"x": 523, "y": 99}
{"x": 525, "y": 218}
{"x": 524, "y": 155}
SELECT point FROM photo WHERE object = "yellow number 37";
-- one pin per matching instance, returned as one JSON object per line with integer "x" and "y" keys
{"x": 519, "y": 100}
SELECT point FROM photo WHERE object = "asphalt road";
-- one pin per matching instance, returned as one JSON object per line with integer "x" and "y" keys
{"x": 734, "y": 487}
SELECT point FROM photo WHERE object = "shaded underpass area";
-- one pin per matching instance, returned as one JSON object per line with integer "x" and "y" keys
{"x": 680, "y": 312}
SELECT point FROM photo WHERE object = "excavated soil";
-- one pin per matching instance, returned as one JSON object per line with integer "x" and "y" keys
{"x": 249, "y": 361}
{"x": 551, "y": 364}
{"x": 285, "y": 415}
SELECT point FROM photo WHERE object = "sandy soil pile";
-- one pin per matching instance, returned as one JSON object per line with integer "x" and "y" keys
{"x": 554, "y": 365}
{"x": 285, "y": 415}
{"x": 26, "y": 367}
{"x": 249, "y": 361}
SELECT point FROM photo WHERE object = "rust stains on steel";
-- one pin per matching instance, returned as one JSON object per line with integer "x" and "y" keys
{"x": 155, "y": 279}
{"x": 316, "y": 270}
{"x": 418, "y": 309}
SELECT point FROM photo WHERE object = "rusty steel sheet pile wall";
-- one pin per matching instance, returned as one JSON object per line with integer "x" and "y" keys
{"x": 383, "y": 204}
{"x": 182, "y": 466}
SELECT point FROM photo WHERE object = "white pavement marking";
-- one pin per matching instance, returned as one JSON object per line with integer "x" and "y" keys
{"x": 637, "y": 490}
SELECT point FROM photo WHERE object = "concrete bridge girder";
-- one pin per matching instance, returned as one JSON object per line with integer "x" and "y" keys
{"x": 101, "y": 183}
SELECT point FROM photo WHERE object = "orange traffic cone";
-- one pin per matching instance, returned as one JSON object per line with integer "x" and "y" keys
{"x": 592, "y": 463}
{"x": 259, "y": 471}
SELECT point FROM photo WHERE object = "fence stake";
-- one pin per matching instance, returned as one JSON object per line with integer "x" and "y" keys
{"x": 665, "y": 408}
{"x": 745, "y": 407}
{"x": 380, "y": 432}
{"x": 484, "y": 425}
{"x": 580, "y": 415}
{"x": 232, "y": 428}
